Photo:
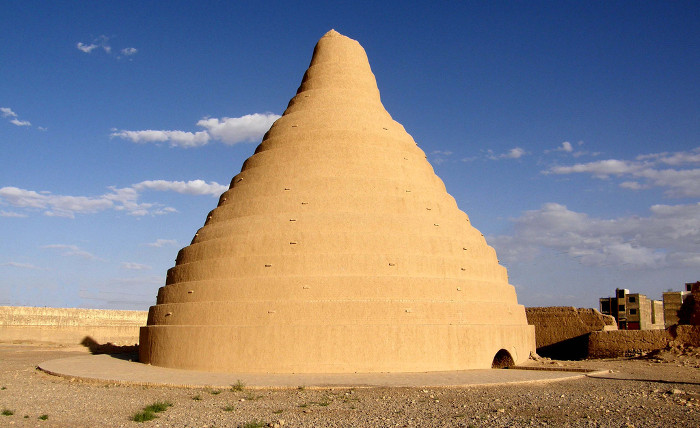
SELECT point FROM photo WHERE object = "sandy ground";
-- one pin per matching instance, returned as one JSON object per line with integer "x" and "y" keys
{"x": 653, "y": 390}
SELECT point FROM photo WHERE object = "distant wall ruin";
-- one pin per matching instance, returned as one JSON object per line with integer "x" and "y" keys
{"x": 569, "y": 333}
{"x": 561, "y": 332}
{"x": 624, "y": 343}
{"x": 65, "y": 326}
{"x": 687, "y": 335}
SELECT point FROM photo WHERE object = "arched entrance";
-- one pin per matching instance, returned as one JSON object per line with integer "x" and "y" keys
{"x": 502, "y": 360}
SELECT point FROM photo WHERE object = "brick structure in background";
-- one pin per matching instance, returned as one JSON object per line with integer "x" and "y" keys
{"x": 689, "y": 313}
{"x": 67, "y": 326}
{"x": 562, "y": 331}
{"x": 634, "y": 311}
{"x": 673, "y": 300}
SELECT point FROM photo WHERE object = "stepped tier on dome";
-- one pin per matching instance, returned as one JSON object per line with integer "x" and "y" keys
{"x": 336, "y": 249}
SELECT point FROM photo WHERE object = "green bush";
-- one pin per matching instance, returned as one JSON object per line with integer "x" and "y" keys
{"x": 143, "y": 416}
{"x": 255, "y": 424}
{"x": 158, "y": 406}
{"x": 149, "y": 412}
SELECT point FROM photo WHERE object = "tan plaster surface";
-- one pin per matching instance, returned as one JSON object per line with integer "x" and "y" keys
{"x": 118, "y": 369}
{"x": 336, "y": 249}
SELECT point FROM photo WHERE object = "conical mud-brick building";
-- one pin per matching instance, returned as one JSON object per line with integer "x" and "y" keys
{"x": 336, "y": 249}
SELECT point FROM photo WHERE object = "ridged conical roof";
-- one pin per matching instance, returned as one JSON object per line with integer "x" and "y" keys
{"x": 336, "y": 249}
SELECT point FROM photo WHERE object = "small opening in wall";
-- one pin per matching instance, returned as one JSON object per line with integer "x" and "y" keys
{"x": 502, "y": 360}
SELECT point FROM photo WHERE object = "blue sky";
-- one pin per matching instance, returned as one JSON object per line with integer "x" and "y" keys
{"x": 567, "y": 131}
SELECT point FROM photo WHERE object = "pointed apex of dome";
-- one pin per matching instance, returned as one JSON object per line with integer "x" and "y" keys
{"x": 339, "y": 63}
{"x": 335, "y": 47}
{"x": 332, "y": 33}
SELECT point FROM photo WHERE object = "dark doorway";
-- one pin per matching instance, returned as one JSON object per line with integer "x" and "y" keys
{"x": 502, "y": 360}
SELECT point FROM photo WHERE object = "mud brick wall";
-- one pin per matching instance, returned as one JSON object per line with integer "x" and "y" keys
{"x": 620, "y": 343}
{"x": 68, "y": 326}
{"x": 561, "y": 332}
{"x": 686, "y": 335}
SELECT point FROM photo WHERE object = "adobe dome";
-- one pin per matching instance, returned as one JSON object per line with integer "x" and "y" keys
{"x": 336, "y": 249}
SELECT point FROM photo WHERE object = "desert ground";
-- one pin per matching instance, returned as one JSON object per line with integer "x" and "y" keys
{"x": 657, "y": 389}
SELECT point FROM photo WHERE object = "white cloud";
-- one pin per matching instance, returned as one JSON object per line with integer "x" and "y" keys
{"x": 162, "y": 243}
{"x": 440, "y": 156}
{"x": 193, "y": 187}
{"x": 646, "y": 172}
{"x": 119, "y": 199}
{"x": 174, "y": 138}
{"x": 56, "y": 205}
{"x": 103, "y": 42}
{"x": 7, "y": 112}
{"x": 126, "y": 199}
{"x": 232, "y": 130}
{"x": 11, "y": 214}
{"x": 165, "y": 210}
{"x": 86, "y": 48}
{"x": 20, "y": 122}
{"x": 12, "y": 117}
{"x": 566, "y": 147}
{"x": 21, "y": 265}
{"x": 514, "y": 153}
{"x": 680, "y": 183}
{"x": 668, "y": 237}
{"x": 674, "y": 159}
{"x": 134, "y": 266}
{"x": 600, "y": 169}
{"x": 634, "y": 185}
{"x": 228, "y": 130}
{"x": 71, "y": 251}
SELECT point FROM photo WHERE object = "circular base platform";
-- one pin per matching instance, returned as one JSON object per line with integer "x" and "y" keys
{"x": 124, "y": 369}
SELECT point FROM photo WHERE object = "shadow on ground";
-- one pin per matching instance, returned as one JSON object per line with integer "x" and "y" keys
{"x": 123, "y": 352}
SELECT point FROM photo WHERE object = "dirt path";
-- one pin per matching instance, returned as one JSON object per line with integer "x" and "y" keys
{"x": 671, "y": 400}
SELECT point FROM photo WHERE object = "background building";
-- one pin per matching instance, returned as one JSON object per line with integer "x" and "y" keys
{"x": 673, "y": 300}
{"x": 634, "y": 311}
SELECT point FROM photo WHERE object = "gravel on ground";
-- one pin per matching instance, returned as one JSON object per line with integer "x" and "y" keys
{"x": 661, "y": 389}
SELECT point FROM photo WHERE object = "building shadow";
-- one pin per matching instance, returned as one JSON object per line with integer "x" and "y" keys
{"x": 575, "y": 348}
{"x": 122, "y": 352}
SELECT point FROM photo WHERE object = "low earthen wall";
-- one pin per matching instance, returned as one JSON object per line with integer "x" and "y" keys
{"x": 69, "y": 326}
{"x": 620, "y": 343}
{"x": 561, "y": 332}
{"x": 686, "y": 335}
